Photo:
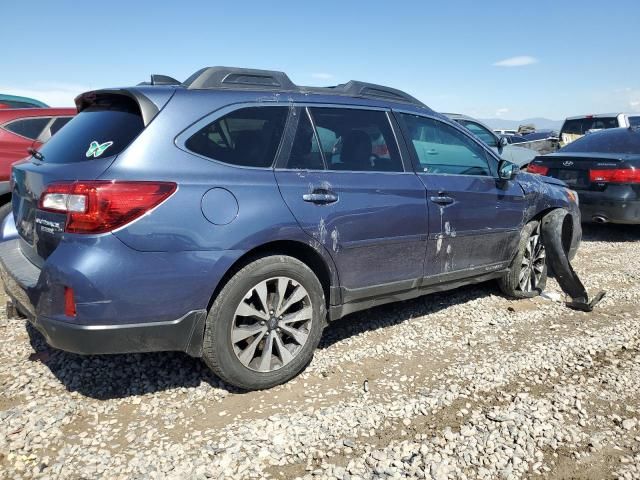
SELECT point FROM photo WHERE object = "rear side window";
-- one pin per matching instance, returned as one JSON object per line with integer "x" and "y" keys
{"x": 58, "y": 123}
{"x": 52, "y": 128}
{"x": 247, "y": 137}
{"x": 28, "y": 127}
{"x": 356, "y": 140}
{"x": 581, "y": 126}
{"x": 102, "y": 130}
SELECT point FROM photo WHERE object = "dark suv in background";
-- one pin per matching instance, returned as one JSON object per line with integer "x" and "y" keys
{"x": 232, "y": 215}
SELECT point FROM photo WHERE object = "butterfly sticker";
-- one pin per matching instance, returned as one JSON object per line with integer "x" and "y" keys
{"x": 96, "y": 149}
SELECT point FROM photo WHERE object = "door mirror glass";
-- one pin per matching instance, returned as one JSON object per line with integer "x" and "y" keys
{"x": 507, "y": 170}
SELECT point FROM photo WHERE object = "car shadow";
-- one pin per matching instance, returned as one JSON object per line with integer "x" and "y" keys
{"x": 105, "y": 377}
{"x": 393, "y": 313}
{"x": 610, "y": 232}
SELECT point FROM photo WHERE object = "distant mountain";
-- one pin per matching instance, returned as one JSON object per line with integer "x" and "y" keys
{"x": 539, "y": 122}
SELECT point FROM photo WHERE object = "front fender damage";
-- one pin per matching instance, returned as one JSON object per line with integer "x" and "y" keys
{"x": 557, "y": 232}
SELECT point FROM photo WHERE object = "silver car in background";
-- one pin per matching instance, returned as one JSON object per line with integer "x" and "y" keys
{"x": 519, "y": 155}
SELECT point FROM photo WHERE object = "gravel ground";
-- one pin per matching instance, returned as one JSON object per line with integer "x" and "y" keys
{"x": 459, "y": 385}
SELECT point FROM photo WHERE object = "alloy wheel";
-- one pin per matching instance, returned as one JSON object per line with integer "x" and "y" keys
{"x": 271, "y": 324}
{"x": 533, "y": 263}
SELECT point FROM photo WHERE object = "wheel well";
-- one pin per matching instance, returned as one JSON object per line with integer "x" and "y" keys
{"x": 298, "y": 250}
{"x": 567, "y": 228}
{"x": 4, "y": 199}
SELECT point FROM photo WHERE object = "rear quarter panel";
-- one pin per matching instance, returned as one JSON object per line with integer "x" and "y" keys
{"x": 179, "y": 224}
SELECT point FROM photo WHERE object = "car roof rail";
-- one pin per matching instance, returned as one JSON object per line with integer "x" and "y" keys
{"x": 161, "y": 80}
{"x": 371, "y": 90}
{"x": 231, "y": 77}
{"x": 248, "y": 78}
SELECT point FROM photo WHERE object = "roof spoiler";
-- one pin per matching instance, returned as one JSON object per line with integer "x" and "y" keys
{"x": 148, "y": 109}
{"x": 157, "y": 79}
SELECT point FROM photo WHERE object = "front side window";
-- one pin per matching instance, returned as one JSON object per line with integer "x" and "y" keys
{"x": 356, "y": 140}
{"x": 28, "y": 127}
{"x": 441, "y": 149}
{"x": 247, "y": 137}
{"x": 482, "y": 133}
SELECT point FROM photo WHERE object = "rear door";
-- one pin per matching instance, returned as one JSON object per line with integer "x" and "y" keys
{"x": 348, "y": 188}
{"x": 83, "y": 150}
{"x": 474, "y": 218}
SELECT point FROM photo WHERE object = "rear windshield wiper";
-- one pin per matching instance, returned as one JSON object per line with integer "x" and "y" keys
{"x": 35, "y": 153}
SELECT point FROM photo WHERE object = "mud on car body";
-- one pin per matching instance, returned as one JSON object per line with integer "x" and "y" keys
{"x": 231, "y": 216}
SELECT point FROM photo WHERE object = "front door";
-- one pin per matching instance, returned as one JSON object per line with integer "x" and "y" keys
{"x": 344, "y": 180}
{"x": 474, "y": 218}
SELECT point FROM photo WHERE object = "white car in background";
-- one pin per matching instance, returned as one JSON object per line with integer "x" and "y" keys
{"x": 499, "y": 131}
{"x": 575, "y": 127}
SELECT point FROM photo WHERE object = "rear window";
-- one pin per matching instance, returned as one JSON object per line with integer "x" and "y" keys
{"x": 581, "y": 126}
{"x": 634, "y": 121}
{"x": 104, "y": 129}
{"x": 620, "y": 140}
{"x": 28, "y": 127}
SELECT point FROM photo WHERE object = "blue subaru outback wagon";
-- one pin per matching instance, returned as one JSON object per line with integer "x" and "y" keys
{"x": 233, "y": 215}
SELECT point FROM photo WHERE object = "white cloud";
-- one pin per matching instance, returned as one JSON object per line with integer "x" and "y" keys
{"x": 520, "y": 61}
{"x": 53, "y": 94}
{"x": 322, "y": 76}
{"x": 501, "y": 111}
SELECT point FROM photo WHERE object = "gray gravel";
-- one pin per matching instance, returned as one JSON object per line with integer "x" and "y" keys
{"x": 459, "y": 385}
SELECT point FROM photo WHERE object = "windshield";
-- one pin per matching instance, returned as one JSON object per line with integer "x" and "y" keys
{"x": 102, "y": 130}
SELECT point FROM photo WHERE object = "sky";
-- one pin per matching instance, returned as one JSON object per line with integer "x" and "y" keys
{"x": 488, "y": 59}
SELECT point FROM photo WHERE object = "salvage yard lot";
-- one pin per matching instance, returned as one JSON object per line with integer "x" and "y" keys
{"x": 465, "y": 384}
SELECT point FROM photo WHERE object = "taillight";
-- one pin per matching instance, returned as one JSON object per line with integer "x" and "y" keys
{"x": 539, "y": 169}
{"x": 101, "y": 206}
{"x": 615, "y": 175}
{"x": 69, "y": 302}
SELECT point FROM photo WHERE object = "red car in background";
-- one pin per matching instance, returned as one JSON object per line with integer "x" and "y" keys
{"x": 24, "y": 128}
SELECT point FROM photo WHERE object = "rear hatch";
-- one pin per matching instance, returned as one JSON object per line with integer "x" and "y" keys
{"x": 107, "y": 123}
{"x": 572, "y": 169}
{"x": 595, "y": 161}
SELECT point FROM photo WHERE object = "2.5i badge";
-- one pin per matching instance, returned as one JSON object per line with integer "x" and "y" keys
{"x": 96, "y": 149}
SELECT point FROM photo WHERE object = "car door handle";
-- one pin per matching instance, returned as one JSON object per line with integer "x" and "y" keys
{"x": 320, "y": 198}
{"x": 442, "y": 200}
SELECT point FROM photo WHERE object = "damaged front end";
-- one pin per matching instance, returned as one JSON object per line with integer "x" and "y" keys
{"x": 557, "y": 234}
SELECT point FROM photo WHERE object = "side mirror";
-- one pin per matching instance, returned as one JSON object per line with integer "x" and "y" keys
{"x": 502, "y": 142}
{"x": 507, "y": 170}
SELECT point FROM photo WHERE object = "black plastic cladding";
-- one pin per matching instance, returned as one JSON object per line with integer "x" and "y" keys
{"x": 238, "y": 78}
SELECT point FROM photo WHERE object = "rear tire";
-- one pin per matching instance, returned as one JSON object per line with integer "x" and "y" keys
{"x": 527, "y": 275}
{"x": 265, "y": 323}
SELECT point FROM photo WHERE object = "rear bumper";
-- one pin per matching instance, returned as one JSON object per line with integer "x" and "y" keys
{"x": 599, "y": 208}
{"x": 23, "y": 284}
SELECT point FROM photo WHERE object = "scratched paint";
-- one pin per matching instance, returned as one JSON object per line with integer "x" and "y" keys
{"x": 334, "y": 239}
